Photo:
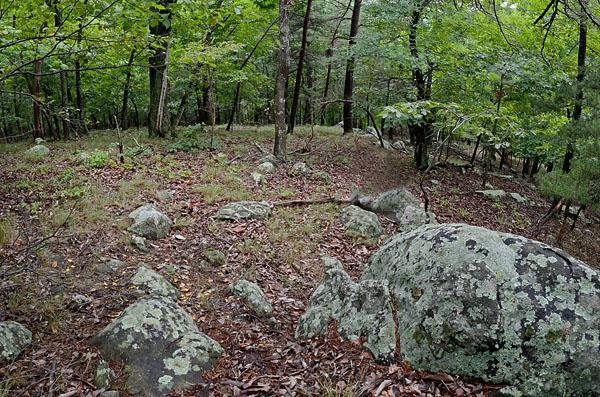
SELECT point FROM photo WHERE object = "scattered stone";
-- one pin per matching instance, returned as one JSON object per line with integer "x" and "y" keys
{"x": 215, "y": 257}
{"x": 162, "y": 345}
{"x": 518, "y": 198}
{"x": 150, "y": 223}
{"x": 435, "y": 182}
{"x": 152, "y": 283}
{"x": 269, "y": 158}
{"x": 77, "y": 302}
{"x": 503, "y": 176}
{"x": 361, "y": 309}
{"x": 102, "y": 376}
{"x": 140, "y": 243}
{"x": 39, "y": 141}
{"x": 13, "y": 339}
{"x": 321, "y": 175}
{"x": 109, "y": 393}
{"x": 244, "y": 210}
{"x": 254, "y": 295}
{"x": 488, "y": 186}
{"x": 299, "y": 168}
{"x": 37, "y": 152}
{"x": 110, "y": 266}
{"x": 392, "y": 203}
{"x": 258, "y": 178}
{"x": 370, "y": 130}
{"x": 494, "y": 195}
{"x": 164, "y": 195}
{"x": 414, "y": 217}
{"x": 266, "y": 168}
{"x": 339, "y": 125}
{"x": 478, "y": 171}
{"x": 399, "y": 145}
{"x": 494, "y": 306}
{"x": 361, "y": 222}
{"x": 81, "y": 158}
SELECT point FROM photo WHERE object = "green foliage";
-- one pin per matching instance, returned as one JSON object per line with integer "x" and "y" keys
{"x": 97, "y": 159}
{"x": 191, "y": 139}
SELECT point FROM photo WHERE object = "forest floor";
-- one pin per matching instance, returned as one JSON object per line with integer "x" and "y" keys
{"x": 84, "y": 208}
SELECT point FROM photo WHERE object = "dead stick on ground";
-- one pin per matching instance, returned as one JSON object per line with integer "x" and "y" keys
{"x": 316, "y": 201}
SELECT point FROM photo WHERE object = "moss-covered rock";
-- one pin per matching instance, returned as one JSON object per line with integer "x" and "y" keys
{"x": 150, "y": 223}
{"x": 254, "y": 295}
{"x": 244, "y": 210}
{"x": 162, "y": 345}
{"x": 152, "y": 283}
{"x": 37, "y": 152}
{"x": 495, "y": 306}
{"x": 361, "y": 222}
{"x": 13, "y": 339}
{"x": 362, "y": 310}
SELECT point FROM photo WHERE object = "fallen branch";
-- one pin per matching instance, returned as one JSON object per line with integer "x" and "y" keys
{"x": 547, "y": 217}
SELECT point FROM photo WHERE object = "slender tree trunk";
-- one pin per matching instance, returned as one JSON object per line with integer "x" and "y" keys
{"x": 64, "y": 103}
{"x": 34, "y": 84}
{"x": 83, "y": 128}
{"x": 137, "y": 115}
{"x": 349, "y": 80}
{"x": 158, "y": 114}
{"x": 126, "y": 88}
{"x": 180, "y": 112}
{"x": 283, "y": 59}
{"x": 298, "y": 83}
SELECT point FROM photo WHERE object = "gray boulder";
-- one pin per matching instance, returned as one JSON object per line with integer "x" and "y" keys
{"x": 140, "y": 243}
{"x": 495, "y": 306}
{"x": 161, "y": 344}
{"x": 39, "y": 141}
{"x": 269, "y": 158}
{"x": 393, "y": 202}
{"x": 13, "y": 339}
{"x": 244, "y": 210}
{"x": 164, "y": 195}
{"x": 254, "y": 295}
{"x": 399, "y": 145}
{"x": 414, "y": 217}
{"x": 82, "y": 157}
{"x": 518, "y": 198}
{"x": 299, "y": 168}
{"x": 150, "y": 282}
{"x": 150, "y": 223}
{"x": 494, "y": 195}
{"x": 266, "y": 168}
{"x": 110, "y": 266}
{"x": 258, "y": 178}
{"x": 37, "y": 152}
{"x": 361, "y": 309}
{"x": 358, "y": 221}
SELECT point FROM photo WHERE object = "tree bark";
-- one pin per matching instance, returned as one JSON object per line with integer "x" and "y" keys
{"x": 126, "y": 88}
{"x": 283, "y": 59}
{"x": 298, "y": 83}
{"x": 158, "y": 113}
{"x": 34, "y": 84}
{"x": 349, "y": 79}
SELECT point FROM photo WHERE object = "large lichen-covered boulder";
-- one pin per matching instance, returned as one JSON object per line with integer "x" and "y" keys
{"x": 254, "y": 295}
{"x": 161, "y": 344}
{"x": 358, "y": 221}
{"x": 37, "y": 152}
{"x": 150, "y": 222}
{"x": 244, "y": 210}
{"x": 362, "y": 310}
{"x": 13, "y": 339}
{"x": 152, "y": 283}
{"x": 495, "y": 306}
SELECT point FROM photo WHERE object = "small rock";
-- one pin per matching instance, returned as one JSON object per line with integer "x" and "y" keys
{"x": 254, "y": 295}
{"x": 77, "y": 302}
{"x": 359, "y": 221}
{"x": 164, "y": 195}
{"x": 258, "y": 178}
{"x": 39, "y": 141}
{"x": 82, "y": 157}
{"x": 13, "y": 339}
{"x": 494, "y": 195}
{"x": 109, "y": 393}
{"x": 489, "y": 186}
{"x": 269, "y": 158}
{"x": 266, "y": 168}
{"x": 518, "y": 198}
{"x": 435, "y": 182}
{"x": 110, "y": 266}
{"x": 299, "y": 168}
{"x": 150, "y": 223}
{"x": 37, "y": 152}
{"x": 321, "y": 175}
{"x": 140, "y": 243}
{"x": 102, "y": 376}
{"x": 215, "y": 257}
{"x": 414, "y": 217}
{"x": 153, "y": 283}
{"x": 399, "y": 145}
{"x": 244, "y": 210}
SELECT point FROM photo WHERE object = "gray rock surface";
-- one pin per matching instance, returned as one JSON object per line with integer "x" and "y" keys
{"x": 399, "y": 145}
{"x": 358, "y": 221}
{"x": 37, "y": 152}
{"x": 109, "y": 393}
{"x": 254, "y": 295}
{"x": 81, "y": 158}
{"x": 39, "y": 141}
{"x": 269, "y": 158}
{"x": 150, "y": 223}
{"x": 494, "y": 195}
{"x": 518, "y": 198}
{"x": 361, "y": 309}
{"x": 495, "y": 306}
{"x": 78, "y": 301}
{"x": 110, "y": 266}
{"x": 414, "y": 217}
{"x": 258, "y": 178}
{"x": 215, "y": 257}
{"x": 244, "y": 210}
{"x": 162, "y": 345}
{"x": 152, "y": 283}
{"x": 140, "y": 243}
{"x": 299, "y": 168}
{"x": 102, "y": 375}
{"x": 266, "y": 168}
{"x": 393, "y": 202}
{"x": 13, "y": 339}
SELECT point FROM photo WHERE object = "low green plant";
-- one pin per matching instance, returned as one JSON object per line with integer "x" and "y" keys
{"x": 97, "y": 158}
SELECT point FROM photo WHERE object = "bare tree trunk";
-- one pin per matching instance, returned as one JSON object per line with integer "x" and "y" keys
{"x": 283, "y": 58}
{"x": 34, "y": 84}
{"x": 349, "y": 81}
{"x": 126, "y": 88}
{"x": 298, "y": 83}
